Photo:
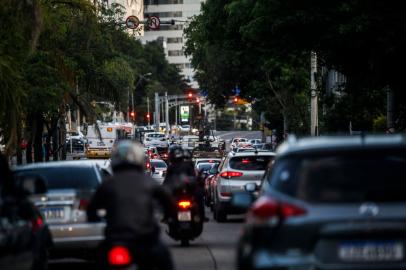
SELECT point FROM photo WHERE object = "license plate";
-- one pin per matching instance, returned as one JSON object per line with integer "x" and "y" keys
{"x": 184, "y": 216}
{"x": 53, "y": 212}
{"x": 367, "y": 251}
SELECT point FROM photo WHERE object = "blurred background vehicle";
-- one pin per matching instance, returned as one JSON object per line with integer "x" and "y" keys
{"x": 234, "y": 173}
{"x": 337, "y": 202}
{"x": 70, "y": 185}
{"x": 24, "y": 237}
{"x": 158, "y": 170}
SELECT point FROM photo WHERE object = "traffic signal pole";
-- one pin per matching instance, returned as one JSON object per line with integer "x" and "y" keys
{"x": 314, "y": 125}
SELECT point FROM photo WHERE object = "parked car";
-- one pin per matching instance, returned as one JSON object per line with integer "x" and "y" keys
{"x": 329, "y": 203}
{"x": 235, "y": 172}
{"x": 70, "y": 185}
{"x": 158, "y": 170}
{"x": 24, "y": 237}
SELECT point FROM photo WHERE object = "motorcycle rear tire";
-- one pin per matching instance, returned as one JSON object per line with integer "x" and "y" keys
{"x": 184, "y": 242}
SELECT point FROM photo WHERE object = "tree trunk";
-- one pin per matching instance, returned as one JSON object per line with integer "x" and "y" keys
{"x": 28, "y": 152}
{"x": 38, "y": 144}
{"x": 55, "y": 144}
{"x": 29, "y": 132}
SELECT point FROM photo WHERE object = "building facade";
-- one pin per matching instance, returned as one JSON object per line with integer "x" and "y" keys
{"x": 172, "y": 35}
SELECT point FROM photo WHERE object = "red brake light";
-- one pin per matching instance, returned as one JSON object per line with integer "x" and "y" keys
{"x": 228, "y": 174}
{"x": 246, "y": 161}
{"x": 265, "y": 208}
{"x": 119, "y": 256}
{"x": 83, "y": 204}
{"x": 148, "y": 165}
{"x": 184, "y": 204}
{"x": 37, "y": 224}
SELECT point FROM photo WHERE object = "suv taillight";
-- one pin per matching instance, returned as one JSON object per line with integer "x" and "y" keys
{"x": 265, "y": 208}
{"x": 83, "y": 204}
{"x": 119, "y": 256}
{"x": 229, "y": 174}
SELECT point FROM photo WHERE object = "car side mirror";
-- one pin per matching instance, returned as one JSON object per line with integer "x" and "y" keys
{"x": 242, "y": 200}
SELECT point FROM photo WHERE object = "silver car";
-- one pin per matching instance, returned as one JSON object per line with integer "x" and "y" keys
{"x": 158, "y": 170}
{"x": 234, "y": 173}
{"x": 70, "y": 185}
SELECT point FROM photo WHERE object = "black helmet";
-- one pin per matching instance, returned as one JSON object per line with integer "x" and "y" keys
{"x": 176, "y": 154}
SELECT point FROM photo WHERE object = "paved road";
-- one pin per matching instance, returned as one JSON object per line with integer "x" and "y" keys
{"x": 213, "y": 250}
{"x": 228, "y": 135}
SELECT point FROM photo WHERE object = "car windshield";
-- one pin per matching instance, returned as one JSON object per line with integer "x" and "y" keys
{"x": 158, "y": 164}
{"x": 79, "y": 178}
{"x": 250, "y": 163}
{"x": 346, "y": 178}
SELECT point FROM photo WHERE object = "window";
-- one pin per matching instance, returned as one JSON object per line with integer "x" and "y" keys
{"x": 158, "y": 164}
{"x": 250, "y": 163}
{"x": 376, "y": 176}
{"x": 169, "y": 14}
{"x": 175, "y": 40}
{"x": 170, "y": 27}
{"x": 175, "y": 53}
{"x": 74, "y": 177}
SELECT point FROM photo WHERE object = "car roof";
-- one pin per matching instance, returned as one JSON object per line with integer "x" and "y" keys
{"x": 254, "y": 153}
{"x": 346, "y": 143}
{"x": 156, "y": 160}
{"x": 56, "y": 164}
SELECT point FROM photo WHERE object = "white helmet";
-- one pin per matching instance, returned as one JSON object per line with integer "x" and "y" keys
{"x": 127, "y": 153}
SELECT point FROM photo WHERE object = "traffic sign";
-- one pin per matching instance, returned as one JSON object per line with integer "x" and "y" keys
{"x": 154, "y": 22}
{"x": 132, "y": 22}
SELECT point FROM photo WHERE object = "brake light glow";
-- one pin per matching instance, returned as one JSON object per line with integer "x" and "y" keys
{"x": 37, "y": 224}
{"x": 148, "y": 165}
{"x": 246, "y": 161}
{"x": 184, "y": 204}
{"x": 229, "y": 174}
{"x": 83, "y": 204}
{"x": 266, "y": 208}
{"x": 225, "y": 194}
{"x": 119, "y": 256}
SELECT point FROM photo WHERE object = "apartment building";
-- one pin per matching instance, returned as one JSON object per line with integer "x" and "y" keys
{"x": 172, "y": 35}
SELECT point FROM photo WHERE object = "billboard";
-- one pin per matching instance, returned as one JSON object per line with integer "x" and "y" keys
{"x": 184, "y": 114}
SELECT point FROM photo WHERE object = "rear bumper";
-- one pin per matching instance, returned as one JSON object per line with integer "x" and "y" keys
{"x": 226, "y": 207}
{"x": 264, "y": 260}
{"x": 93, "y": 153}
{"x": 77, "y": 240}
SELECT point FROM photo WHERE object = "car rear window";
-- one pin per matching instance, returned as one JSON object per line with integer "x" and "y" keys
{"x": 82, "y": 178}
{"x": 155, "y": 135}
{"x": 250, "y": 163}
{"x": 205, "y": 166}
{"x": 378, "y": 177}
{"x": 158, "y": 164}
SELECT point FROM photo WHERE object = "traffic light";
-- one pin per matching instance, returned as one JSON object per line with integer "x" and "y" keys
{"x": 148, "y": 116}
{"x": 132, "y": 114}
{"x": 190, "y": 95}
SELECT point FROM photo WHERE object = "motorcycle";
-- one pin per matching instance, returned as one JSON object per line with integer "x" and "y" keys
{"x": 189, "y": 224}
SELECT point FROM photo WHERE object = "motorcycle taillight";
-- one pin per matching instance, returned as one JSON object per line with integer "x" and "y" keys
{"x": 184, "y": 204}
{"x": 119, "y": 256}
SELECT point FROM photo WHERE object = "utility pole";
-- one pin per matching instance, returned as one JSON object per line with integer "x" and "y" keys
{"x": 167, "y": 114}
{"x": 314, "y": 121}
{"x": 149, "y": 116}
{"x": 128, "y": 104}
{"x": 176, "y": 111}
{"x": 157, "y": 113}
{"x": 78, "y": 110}
{"x": 132, "y": 103}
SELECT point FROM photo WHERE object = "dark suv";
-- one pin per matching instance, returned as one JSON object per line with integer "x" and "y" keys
{"x": 330, "y": 203}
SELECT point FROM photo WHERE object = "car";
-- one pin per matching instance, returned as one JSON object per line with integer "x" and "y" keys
{"x": 206, "y": 160}
{"x": 244, "y": 149}
{"x": 239, "y": 142}
{"x": 207, "y": 184}
{"x": 70, "y": 185}
{"x": 158, "y": 170}
{"x": 76, "y": 147}
{"x": 184, "y": 128}
{"x": 204, "y": 167}
{"x": 234, "y": 173}
{"x": 329, "y": 203}
{"x": 24, "y": 237}
{"x": 157, "y": 139}
{"x": 256, "y": 143}
{"x": 151, "y": 151}
{"x": 189, "y": 142}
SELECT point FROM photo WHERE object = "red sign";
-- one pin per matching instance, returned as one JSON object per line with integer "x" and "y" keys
{"x": 132, "y": 22}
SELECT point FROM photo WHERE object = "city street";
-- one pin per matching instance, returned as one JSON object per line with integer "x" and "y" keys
{"x": 213, "y": 250}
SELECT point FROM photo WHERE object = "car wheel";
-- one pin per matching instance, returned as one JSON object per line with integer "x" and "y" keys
{"x": 184, "y": 242}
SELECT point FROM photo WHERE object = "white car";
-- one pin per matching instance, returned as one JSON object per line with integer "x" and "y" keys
{"x": 157, "y": 139}
{"x": 158, "y": 170}
{"x": 189, "y": 142}
{"x": 239, "y": 142}
{"x": 185, "y": 128}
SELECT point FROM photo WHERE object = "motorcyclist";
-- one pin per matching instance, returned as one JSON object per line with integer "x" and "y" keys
{"x": 181, "y": 165}
{"x": 128, "y": 198}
